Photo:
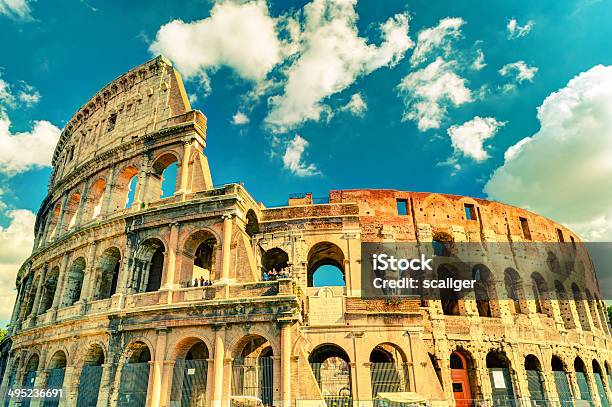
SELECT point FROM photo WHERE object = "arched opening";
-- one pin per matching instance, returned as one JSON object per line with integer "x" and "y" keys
{"x": 91, "y": 376}
{"x": 124, "y": 188}
{"x": 164, "y": 177}
{"x": 253, "y": 369}
{"x": 331, "y": 367}
{"x": 326, "y": 260}
{"x": 592, "y": 308}
{"x": 599, "y": 382}
{"x": 275, "y": 264}
{"x": 443, "y": 244}
{"x": 564, "y": 306}
{"x": 514, "y": 290}
{"x": 12, "y": 377}
{"x": 190, "y": 374}
{"x": 74, "y": 282}
{"x": 252, "y": 226}
{"x": 561, "y": 382}
{"x": 201, "y": 246}
{"x": 450, "y": 299}
{"x": 541, "y": 295}
{"x": 461, "y": 367}
{"x": 54, "y": 220}
{"x": 72, "y": 209}
{"x": 48, "y": 291}
{"x": 502, "y": 389}
{"x": 134, "y": 380}
{"x": 108, "y": 273}
{"x": 30, "y": 375}
{"x": 148, "y": 266}
{"x": 581, "y": 380}
{"x": 535, "y": 379}
{"x": 579, "y": 302}
{"x": 55, "y": 377}
{"x": 484, "y": 291}
{"x": 31, "y": 296}
{"x": 95, "y": 199}
{"x": 388, "y": 369}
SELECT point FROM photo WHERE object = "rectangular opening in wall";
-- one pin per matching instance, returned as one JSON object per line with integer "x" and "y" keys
{"x": 470, "y": 212}
{"x": 560, "y": 235}
{"x": 525, "y": 228}
{"x": 573, "y": 242}
{"x": 402, "y": 207}
{"x": 110, "y": 125}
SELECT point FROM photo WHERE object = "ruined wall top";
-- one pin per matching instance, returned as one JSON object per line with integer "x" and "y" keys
{"x": 136, "y": 103}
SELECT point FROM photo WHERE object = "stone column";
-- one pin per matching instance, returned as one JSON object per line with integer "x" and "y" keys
{"x": 41, "y": 283}
{"x": 286, "y": 363}
{"x": 106, "y": 383}
{"x": 158, "y": 364}
{"x": 167, "y": 377}
{"x": 87, "y": 292}
{"x": 219, "y": 358}
{"x": 226, "y": 249}
{"x": 59, "y": 288}
{"x": 59, "y": 226}
{"x": 184, "y": 174}
{"x": 108, "y": 192}
{"x": 169, "y": 278}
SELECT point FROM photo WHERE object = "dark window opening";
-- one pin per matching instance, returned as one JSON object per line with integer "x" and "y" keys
{"x": 560, "y": 235}
{"x": 402, "y": 207}
{"x": 470, "y": 212}
{"x": 525, "y": 228}
{"x": 112, "y": 120}
{"x": 573, "y": 242}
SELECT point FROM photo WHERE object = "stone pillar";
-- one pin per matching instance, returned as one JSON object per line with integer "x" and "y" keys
{"x": 41, "y": 283}
{"x": 167, "y": 376}
{"x": 219, "y": 358}
{"x": 286, "y": 363}
{"x": 184, "y": 174}
{"x": 226, "y": 249}
{"x": 59, "y": 226}
{"x": 106, "y": 383}
{"x": 18, "y": 302}
{"x": 169, "y": 277}
{"x": 59, "y": 288}
{"x": 108, "y": 192}
{"x": 158, "y": 365}
{"x": 87, "y": 292}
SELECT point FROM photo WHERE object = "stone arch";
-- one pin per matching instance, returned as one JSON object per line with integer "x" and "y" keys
{"x": 253, "y": 368}
{"x": 93, "y": 354}
{"x": 535, "y": 378}
{"x": 484, "y": 291}
{"x": 58, "y": 360}
{"x": 451, "y": 301}
{"x": 91, "y": 374}
{"x": 182, "y": 345}
{"x": 499, "y": 367}
{"x": 48, "y": 291}
{"x": 162, "y": 162}
{"x": 591, "y": 305}
{"x": 95, "y": 199}
{"x": 71, "y": 210}
{"x": 74, "y": 282}
{"x": 54, "y": 220}
{"x": 599, "y": 378}
{"x": 388, "y": 369}
{"x": 564, "y": 306}
{"x": 515, "y": 291}
{"x": 190, "y": 372}
{"x": 580, "y": 308}
{"x": 252, "y": 225}
{"x": 135, "y": 371}
{"x": 123, "y": 187}
{"x": 463, "y": 377}
{"x": 442, "y": 244}
{"x": 331, "y": 367}
{"x": 274, "y": 261}
{"x": 325, "y": 254}
{"x": 202, "y": 249}
{"x": 541, "y": 295}
{"x": 582, "y": 379}
{"x": 107, "y": 273}
{"x": 31, "y": 296}
{"x": 30, "y": 369}
{"x": 238, "y": 343}
{"x": 149, "y": 264}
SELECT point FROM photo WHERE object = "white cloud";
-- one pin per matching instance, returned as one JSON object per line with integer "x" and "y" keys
{"x": 479, "y": 61}
{"x": 293, "y": 158}
{"x": 240, "y": 118}
{"x": 564, "y": 170}
{"x": 438, "y": 37}
{"x": 16, "y": 241}
{"x": 6, "y": 97}
{"x": 241, "y": 36}
{"x": 428, "y": 91}
{"x": 28, "y": 96}
{"x": 356, "y": 105}
{"x": 16, "y": 9}
{"x": 518, "y": 72}
{"x": 331, "y": 57}
{"x": 21, "y": 152}
{"x": 517, "y": 31}
{"x": 20, "y": 95}
{"x": 469, "y": 137}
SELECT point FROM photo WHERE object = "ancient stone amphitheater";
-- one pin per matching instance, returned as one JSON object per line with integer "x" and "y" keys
{"x": 115, "y": 307}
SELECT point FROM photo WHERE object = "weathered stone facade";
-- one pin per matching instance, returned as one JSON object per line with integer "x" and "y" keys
{"x": 107, "y": 309}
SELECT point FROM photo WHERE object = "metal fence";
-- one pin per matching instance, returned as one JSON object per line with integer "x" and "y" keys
{"x": 563, "y": 389}
{"x": 254, "y": 377}
{"x": 388, "y": 377}
{"x": 334, "y": 381}
{"x": 134, "y": 384}
{"x": 55, "y": 380}
{"x": 189, "y": 383}
{"x": 89, "y": 386}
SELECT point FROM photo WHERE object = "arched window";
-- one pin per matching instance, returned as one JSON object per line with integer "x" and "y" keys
{"x": 149, "y": 266}
{"x": 452, "y": 304}
{"x": 134, "y": 380}
{"x": 325, "y": 265}
{"x": 564, "y": 306}
{"x": 561, "y": 381}
{"x": 53, "y": 221}
{"x": 201, "y": 246}
{"x": 252, "y": 226}
{"x": 55, "y": 376}
{"x": 484, "y": 290}
{"x": 48, "y": 292}
{"x": 30, "y": 371}
{"x": 274, "y": 263}
{"x": 541, "y": 295}
{"x": 124, "y": 188}
{"x": 514, "y": 289}
{"x": 163, "y": 179}
{"x": 599, "y": 383}
{"x": 580, "y": 308}
{"x": 331, "y": 367}
{"x": 74, "y": 282}
{"x": 93, "y": 207}
{"x": 388, "y": 369}
{"x": 592, "y": 307}
{"x": 253, "y": 369}
{"x": 190, "y": 374}
{"x": 442, "y": 244}
{"x": 91, "y": 376}
{"x": 535, "y": 379}
{"x": 72, "y": 209}
{"x": 131, "y": 192}
{"x": 582, "y": 380}
{"x": 501, "y": 379}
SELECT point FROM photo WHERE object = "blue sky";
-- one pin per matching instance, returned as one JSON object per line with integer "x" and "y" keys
{"x": 362, "y": 129}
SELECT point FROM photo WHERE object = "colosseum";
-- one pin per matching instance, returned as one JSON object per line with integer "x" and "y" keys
{"x": 203, "y": 296}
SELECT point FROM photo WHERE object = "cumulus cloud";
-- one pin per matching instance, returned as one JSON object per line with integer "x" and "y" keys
{"x": 331, "y": 57}
{"x": 28, "y": 96}
{"x": 20, "y": 152}
{"x": 16, "y": 9}
{"x": 428, "y": 91}
{"x": 435, "y": 38}
{"x": 20, "y": 95}
{"x": 479, "y": 61}
{"x": 241, "y": 36}
{"x": 356, "y": 105}
{"x": 468, "y": 138}
{"x": 16, "y": 241}
{"x": 293, "y": 158}
{"x": 564, "y": 170}
{"x": 240, "y": 118}
{"x": 518, "y": 72}
{"x": 517, "y": 31}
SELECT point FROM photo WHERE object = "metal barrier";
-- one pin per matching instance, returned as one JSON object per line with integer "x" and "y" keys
{"x": 189, "y": 383}
{"x": 55, "y": 380}
{"x": 134, "y": 384}
{"x": 334, "y": 381}
{"x": 254, "y": 377}
{"x": 89, "y": 386}
{"x": 388, "y": 377}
